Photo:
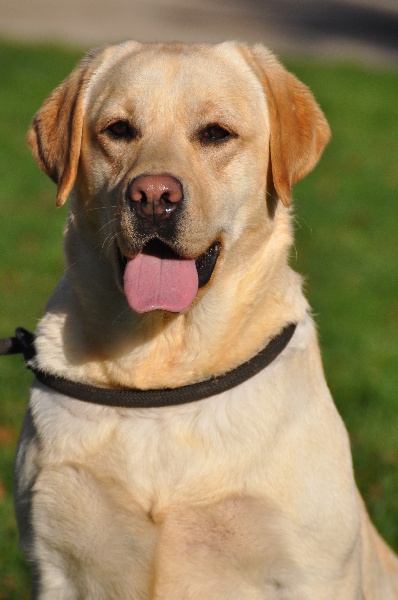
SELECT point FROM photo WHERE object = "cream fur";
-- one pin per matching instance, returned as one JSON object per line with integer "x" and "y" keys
{"x": 247, "y": 495}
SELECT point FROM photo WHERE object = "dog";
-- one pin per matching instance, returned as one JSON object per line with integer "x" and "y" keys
{"x": 179, "y": 161}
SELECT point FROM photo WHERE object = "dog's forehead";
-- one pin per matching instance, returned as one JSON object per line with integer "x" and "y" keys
{"x": 194, "y": 76}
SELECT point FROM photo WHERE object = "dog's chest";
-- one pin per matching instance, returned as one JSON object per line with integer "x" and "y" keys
{"x": 141, "y": 492}
{"x": 94, "y": 524}
{"x": 125, "y": 495}
{"x": 159, "y": 458}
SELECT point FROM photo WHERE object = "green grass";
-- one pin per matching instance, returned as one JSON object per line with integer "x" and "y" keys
{"x": 346, "y": 241}
{"x": 346, "y": 215}
{"x": 31, "y": 261}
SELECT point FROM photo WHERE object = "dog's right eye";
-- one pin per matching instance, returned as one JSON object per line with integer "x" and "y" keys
{"x": 214, "y": 133}
{"x": 121, "y": 130}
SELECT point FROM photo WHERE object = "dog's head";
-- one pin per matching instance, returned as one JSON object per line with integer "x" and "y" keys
{"x": 175, "y": 153}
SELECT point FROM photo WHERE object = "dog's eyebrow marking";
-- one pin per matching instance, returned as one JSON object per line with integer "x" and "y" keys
{"x": 111, "y": 115}
{"x": 210, "y": 111}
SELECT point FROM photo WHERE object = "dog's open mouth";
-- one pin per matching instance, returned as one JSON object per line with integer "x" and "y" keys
{"x": 158, "y": 278}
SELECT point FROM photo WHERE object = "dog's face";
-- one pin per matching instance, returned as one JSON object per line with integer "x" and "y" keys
{"x": 164, "y": 138}
{"x": 172, "y": 150}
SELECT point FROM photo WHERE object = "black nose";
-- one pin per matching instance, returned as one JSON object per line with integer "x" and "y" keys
{"x": 155, "y": 197}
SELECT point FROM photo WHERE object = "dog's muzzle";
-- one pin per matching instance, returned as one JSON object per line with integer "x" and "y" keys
{"x": 154, "y": 276}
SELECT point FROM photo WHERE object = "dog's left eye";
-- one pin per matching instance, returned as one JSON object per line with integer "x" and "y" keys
{"x": 121, "y": 130}
{"x": 214, "y": 133}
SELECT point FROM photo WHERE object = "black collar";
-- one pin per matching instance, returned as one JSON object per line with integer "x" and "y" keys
{"x": 23, "y": 342}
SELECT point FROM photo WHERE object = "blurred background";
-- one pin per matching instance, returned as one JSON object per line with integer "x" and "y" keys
{"x": 361, "y": 29}
{"x": 346, "y": 211}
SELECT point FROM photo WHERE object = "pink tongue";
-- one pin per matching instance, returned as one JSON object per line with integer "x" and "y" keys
{"x": 151, "y": 282}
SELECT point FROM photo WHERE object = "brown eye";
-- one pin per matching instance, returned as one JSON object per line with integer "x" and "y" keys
{"x": 214, "y": 134}
{"x": 121, "y": 130}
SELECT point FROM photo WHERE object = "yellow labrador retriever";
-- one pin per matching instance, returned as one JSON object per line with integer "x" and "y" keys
{"x": 179, "y": 161}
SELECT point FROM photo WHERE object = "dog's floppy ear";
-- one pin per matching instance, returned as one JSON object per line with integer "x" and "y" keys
{"x": 298, "y": 129}
{"x": 56, "y": 130}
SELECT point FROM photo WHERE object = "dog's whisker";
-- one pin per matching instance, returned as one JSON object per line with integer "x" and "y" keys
{"x": 110, "y": 245}
{"x": 102, "y": 207}
{"x": 267, "y": 193}
{"x": 297, "y": 221}
{"x": 120, "y": 315}
{"x": 113, "y": 220}
{"x": 107, "y": 241}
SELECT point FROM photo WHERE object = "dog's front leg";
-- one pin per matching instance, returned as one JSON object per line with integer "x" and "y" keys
{"x": 48, "y": 582}
{"x": 25, "y": 472}
{"x": 218, "y": 551}
{"x": 239, "y": 548}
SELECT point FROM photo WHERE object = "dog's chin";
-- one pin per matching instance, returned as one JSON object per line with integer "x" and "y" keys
{"x": 159, "y": 278}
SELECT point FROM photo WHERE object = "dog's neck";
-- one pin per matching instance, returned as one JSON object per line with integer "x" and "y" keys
{"x": 89, "y": 332}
